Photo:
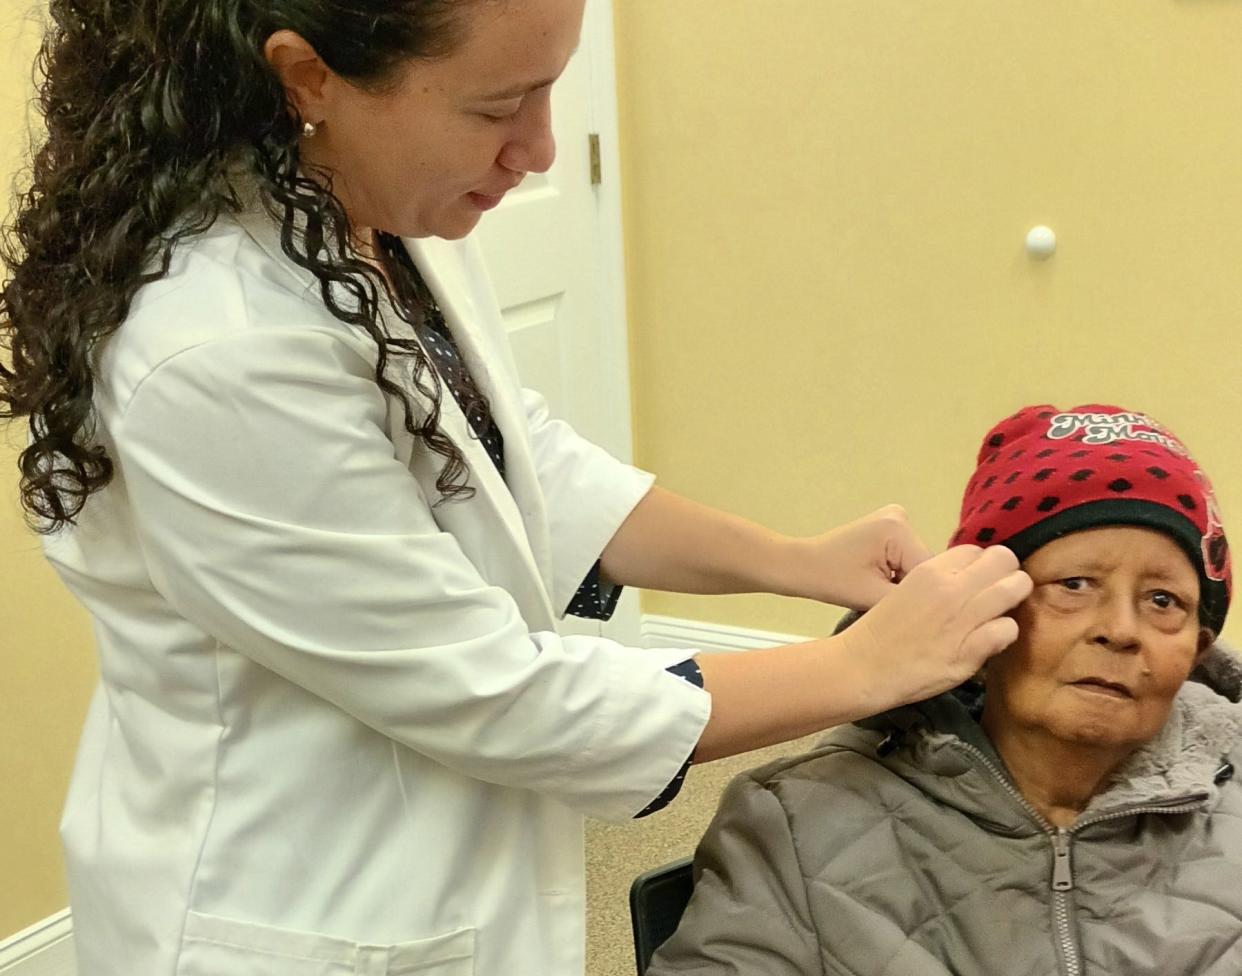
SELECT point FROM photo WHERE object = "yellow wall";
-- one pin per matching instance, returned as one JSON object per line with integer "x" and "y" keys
{"x": 825, "y": 205}
{"x": 46, "y": 655}
{"x": 825, "y": 211}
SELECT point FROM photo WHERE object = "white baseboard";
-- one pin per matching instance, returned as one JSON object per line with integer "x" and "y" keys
{"x": 44, "y": 949}
{"x": 660, "y": 631}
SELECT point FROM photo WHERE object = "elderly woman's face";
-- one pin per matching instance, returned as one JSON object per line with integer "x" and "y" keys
{"x": 430, "y": 157}
{"x": 1108, "y": 636}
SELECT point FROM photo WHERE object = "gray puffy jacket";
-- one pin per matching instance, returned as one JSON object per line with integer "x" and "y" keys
{"x": 900, "y": 848}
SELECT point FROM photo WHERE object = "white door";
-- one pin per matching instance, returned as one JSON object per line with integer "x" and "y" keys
{"x": 553, "y": 250}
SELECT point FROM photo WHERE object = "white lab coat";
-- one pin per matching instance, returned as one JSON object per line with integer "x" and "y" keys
{"x": 335, "y": 731}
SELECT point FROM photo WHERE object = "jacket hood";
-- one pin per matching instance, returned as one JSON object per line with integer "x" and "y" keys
{"x": 1221, "y": 671}
{"x": 940, "y": 746}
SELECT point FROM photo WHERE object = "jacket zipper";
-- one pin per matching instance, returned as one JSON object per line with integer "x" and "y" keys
{"x": 1062, "y": 870}
{"x": 1062, "y": 865}
{"x": 1062, "y": 884}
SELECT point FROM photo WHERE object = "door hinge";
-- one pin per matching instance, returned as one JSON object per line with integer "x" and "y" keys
{"x": 597, "y": 166}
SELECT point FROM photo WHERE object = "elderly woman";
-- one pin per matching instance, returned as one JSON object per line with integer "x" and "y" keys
{"x": 1076, "y": 813}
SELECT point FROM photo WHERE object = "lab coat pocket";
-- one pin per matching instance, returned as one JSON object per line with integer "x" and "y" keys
{"x": 215, "y": 946}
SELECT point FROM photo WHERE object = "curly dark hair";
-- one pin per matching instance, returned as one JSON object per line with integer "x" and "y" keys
{"x": 153, "y": 108}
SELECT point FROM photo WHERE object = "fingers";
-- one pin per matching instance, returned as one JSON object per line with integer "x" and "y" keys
{"x": 989, "y": 639}
{"x": 986, "y": 582}
{"x": 1005, "y": 594}
{"x": 910, "y": 552}
{"x": 901, "y": 549}
{"x": 871, "y": 592}
{"x": 992, "y": 564}
{"x": 952, "y": 610}
{"x": 956, "y": 559}
{"x": 997, "y": 599}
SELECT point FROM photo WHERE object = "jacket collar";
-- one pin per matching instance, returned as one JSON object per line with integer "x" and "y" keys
{"x": 1189, "y": 752}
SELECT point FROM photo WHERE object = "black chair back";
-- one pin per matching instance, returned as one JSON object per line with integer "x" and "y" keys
{"x": 659, "y": 897}
{"x": 657, "y": 900}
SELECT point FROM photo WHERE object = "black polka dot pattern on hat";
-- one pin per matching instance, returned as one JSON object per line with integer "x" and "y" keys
{"x": 1095, "y": 464}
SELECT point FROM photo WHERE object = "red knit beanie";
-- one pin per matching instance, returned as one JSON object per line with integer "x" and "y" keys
{"x": 1044, "y": 473}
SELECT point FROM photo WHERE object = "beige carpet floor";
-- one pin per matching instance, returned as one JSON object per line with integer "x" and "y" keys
{"x": 616, "y": 855}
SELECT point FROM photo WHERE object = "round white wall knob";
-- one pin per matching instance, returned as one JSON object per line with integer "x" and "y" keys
{"x": 1041, "y": 242}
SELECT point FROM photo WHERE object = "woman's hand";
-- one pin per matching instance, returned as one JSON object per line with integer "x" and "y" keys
{"x": 672, "y": 543}
{"x": 937, "y": 628}
{"x": 934, "y": 630}
{"x": 858, "y": 564}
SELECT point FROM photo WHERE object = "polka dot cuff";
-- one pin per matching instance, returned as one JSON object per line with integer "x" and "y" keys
{"x": 689, "y": 671}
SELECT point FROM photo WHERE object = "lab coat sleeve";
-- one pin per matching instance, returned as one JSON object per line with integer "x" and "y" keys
{"x": 749, "y": 912}
{"x": 588, "y": 493}
{"x": 274, "y": 515}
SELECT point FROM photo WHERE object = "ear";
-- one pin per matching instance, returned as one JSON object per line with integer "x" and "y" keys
{"x": 1206, "y": 639}
{"x": 301, "y": 71}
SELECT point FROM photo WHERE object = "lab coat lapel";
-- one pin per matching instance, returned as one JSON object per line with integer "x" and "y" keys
{"x": 490, "y": 527}
{"x": 494, "y": 503}
{"x": 473, "y": 316}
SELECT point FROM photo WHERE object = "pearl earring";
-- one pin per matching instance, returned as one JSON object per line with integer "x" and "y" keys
{"x": 309, "y": 129}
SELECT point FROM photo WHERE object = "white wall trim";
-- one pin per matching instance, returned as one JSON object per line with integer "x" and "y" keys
{"x": 43, "y": 949}
{"x": 661, "y": 631}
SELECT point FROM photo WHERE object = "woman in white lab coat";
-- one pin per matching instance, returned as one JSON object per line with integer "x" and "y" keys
{"x": 279, "y": 450}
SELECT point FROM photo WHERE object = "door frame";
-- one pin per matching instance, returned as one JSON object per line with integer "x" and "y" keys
{"x": 599, "y": 47}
